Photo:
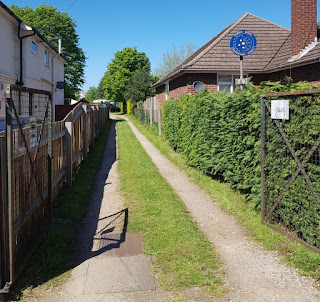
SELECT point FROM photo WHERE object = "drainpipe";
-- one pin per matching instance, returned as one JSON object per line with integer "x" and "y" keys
{"x": 20, "y": 82}
{"x": 53, "y": 84}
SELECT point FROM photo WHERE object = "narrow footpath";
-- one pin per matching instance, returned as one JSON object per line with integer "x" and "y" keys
{"x": 109, "y": 264}
{"x": 253, "y": 274}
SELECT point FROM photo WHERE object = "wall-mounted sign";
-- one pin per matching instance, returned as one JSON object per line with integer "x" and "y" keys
{"x": 243, "y": 43}
{"x": 280, "y": 109}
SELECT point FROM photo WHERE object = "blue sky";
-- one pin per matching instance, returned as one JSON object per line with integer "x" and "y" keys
{"x": 106, "y": 26}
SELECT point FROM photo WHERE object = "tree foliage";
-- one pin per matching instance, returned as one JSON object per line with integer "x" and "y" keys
{"x": 91, "y": 94}
{"x": 100, "y": 91}
{"x": 173, "y": 57}
{"x": 139, "y": 86}
{"x": 120, "y": 70}
{"x": 53, "y": 24}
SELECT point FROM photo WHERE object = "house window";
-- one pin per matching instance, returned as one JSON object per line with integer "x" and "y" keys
{"x": 34, "y": 47}
{"x": 227, "y": 82}
{"x": 46, "y": 57}
{"x": 167, "y": 89}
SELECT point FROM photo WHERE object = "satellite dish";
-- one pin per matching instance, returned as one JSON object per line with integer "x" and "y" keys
{"x": 60, "y": 85}
{"x": 198, "y": 86}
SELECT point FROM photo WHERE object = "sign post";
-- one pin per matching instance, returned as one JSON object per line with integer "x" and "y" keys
{"x": 243, "y": 43}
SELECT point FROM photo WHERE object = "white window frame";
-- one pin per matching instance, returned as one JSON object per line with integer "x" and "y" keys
{"x": 46, "y": 57}
{"x": 167, "y": 90}
{"x": 34, "y": 44}
{"x": 233, "y": 77}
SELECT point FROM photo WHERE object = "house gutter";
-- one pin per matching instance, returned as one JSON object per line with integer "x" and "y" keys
{"x": 20, "y": 82}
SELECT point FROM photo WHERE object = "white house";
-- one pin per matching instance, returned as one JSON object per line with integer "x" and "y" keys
{"x": 27, "y": 59}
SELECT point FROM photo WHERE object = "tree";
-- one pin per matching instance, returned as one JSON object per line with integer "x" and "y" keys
{"x": 91, "y": 94}
{"x": 53, "y": 24}
{"x": 139, "y": 86}
{"x": 120, "y": 70}
{"x": 173, "y": 57}
{"x": 100, "y": 91}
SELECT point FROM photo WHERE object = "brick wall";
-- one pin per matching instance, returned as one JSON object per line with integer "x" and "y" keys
{"x": 303, "y": 24}
{"x": 160, "y": 94}
{"x": 309, "y": 73}
{"x": 184, "y": 83}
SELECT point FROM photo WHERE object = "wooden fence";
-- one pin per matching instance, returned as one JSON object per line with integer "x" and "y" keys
{"x": 32, "y": 177}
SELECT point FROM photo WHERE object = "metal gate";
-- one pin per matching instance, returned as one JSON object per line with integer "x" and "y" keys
{"x": 26, "y": 177}
{"x": 290, "y": 167}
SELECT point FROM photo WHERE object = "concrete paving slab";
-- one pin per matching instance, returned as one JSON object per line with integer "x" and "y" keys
{"x": 112, "y": 275}
{"x": 139, "y": 268}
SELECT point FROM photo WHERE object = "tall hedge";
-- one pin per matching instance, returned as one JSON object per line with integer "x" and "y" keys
{"x": 220, "y": 134}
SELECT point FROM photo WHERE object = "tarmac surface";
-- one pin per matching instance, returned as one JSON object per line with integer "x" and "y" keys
{"x": 110, "y": 264}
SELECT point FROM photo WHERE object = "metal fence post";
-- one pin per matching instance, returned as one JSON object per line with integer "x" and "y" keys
{"x": 68, "y": 130}
{"x": 263, "y": 160}
{"x": 9, "y": 145}
{"x": 4, "y": 248}
{"x": 49, "y": 157}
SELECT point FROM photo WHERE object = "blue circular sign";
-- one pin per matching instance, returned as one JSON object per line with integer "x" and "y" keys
{"x": 243, "y": 43}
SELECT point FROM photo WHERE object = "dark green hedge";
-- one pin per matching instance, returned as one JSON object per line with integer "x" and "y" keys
{"x": 220, "y": 134}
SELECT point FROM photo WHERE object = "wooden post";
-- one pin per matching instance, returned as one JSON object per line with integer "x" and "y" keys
{"x": 85, "y": 131}
{"x": 151, "y": 109}
{"x": 159, "y": 122}
{"x": 92, "y": 125}
{"x": 68, "y": 130}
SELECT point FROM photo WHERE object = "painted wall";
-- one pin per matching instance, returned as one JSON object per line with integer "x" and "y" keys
{"x": 36, "y": 74}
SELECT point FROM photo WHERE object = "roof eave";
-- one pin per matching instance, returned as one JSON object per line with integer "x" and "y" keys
{"x": 293, "y": 64}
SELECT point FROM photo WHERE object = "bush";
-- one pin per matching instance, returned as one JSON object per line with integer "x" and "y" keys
{"x": 220, "y": 135}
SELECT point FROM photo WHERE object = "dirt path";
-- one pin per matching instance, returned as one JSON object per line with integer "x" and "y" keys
{"x": 253, "y": 274}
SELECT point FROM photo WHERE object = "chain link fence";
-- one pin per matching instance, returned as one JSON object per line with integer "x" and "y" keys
{"x": 150, "y": 113}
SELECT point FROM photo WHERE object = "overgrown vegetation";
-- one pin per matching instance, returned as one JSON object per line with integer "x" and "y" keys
{"x": 235, "y": 203}
{"x": 51, "y": 263}
{"x": 219, "y": 134}
{"x": 183, "y": 257}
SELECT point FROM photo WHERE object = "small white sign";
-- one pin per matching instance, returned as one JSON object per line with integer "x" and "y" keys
{"x": 280, "y": 109}
{"x": 243, "y": 81}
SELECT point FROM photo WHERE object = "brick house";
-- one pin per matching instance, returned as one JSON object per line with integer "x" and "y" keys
{"x": 28, "y": 59}
{"x": 279, "y": 53}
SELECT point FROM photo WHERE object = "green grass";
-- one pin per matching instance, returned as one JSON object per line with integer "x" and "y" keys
{"x": 50, "y": 263}
{"x": 291, "y": 252}
{"x": 182, "y": 255}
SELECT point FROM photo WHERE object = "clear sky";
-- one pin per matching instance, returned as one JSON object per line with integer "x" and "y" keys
{"x": 106, "y": 26}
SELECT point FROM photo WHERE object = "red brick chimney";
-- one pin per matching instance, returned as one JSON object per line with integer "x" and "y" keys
{"x": 303, "y": 24}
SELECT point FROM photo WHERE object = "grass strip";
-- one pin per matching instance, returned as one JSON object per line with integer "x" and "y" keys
{"x": 50, "y": 263}
{"x": 183, "y": 256}
{"x": 291, "y": 252}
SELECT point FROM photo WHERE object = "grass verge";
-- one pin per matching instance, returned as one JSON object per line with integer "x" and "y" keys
{"x": 50, "y": 264}
{"x": 291, "y": 252}
{"x": 183, "y": 257}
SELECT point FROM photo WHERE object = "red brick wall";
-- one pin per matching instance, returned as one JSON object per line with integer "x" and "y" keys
{"x": 309, "y": 73}
{"x": 256, "y": 79}
{"x": 160, "y": 94}
{"x": 184, "y": 83}
{"x": 303, "y": 24}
